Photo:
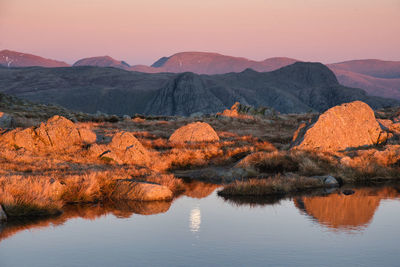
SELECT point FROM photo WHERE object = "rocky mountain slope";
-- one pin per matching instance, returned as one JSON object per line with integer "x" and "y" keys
{"x": 16, "y": 59}
{"x": 103, "y": 61}
{"x": 298, "y": 88}
{"x": 213, "y": 63}
{"x": 376, "y": 77}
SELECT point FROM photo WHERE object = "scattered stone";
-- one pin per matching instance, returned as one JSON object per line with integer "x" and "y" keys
{"x": 126, "y": 117}
{"x": 194, "y": 132}
{"x": 246, "y": 112}
{"x": 349, "y": 125}
{"x": 389, "y": 125}
{"x": 143, "y": 191}
{"x": 196, "y": 115}
{"x": 327, "y": 180}
{"x": 6, "y": 121}
{"x": 348, "y": 192}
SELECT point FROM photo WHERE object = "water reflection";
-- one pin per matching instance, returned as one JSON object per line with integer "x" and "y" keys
{"x": 89, "y": 212}
{"x": 195, "y": 220}
{"x": 345, "y": 212}
{"x": 121, "y": 209}
{"x": 332, "y": 209}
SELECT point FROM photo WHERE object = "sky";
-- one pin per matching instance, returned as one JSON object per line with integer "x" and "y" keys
{"x": 140, "y": 32}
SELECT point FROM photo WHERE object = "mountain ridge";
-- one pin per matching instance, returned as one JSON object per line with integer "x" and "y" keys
{"x": 298, "y": 88}
{"x": 376, "y": 77}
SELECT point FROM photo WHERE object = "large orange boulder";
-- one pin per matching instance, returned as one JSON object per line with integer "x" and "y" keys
{"x": 124, "y": 148}
{"x": 349, "y": 125}
{"x": 194, "y": 132}
{"x": 142, "y": 191}
{"x": 57, "y": 134}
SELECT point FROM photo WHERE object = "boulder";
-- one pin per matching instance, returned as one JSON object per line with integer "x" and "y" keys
{"x": 327, "y": 180}
{"x": 6, "y": 121}
{"x": 125, "y": 148}
{"x": 144, "y": 191}
{"x": 349, "y": 125}
{"x": 389, "y": 125}
{"x": 58, "y": 133}
{"x": 194, "y": 132}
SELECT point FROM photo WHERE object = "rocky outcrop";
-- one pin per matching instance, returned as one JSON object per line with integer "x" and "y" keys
{"x": 6, "y": 121}
{"x": 57, "y": 134}
{"x": 143, "y": 191}
{"x": 298, "y": 88}
{"x": 194, "y": 132}
{"x": 241, "y": 111}
{"x": 124, "y": 148}
{"x": 389, "y": 125}
{"x": 346, "y": 126}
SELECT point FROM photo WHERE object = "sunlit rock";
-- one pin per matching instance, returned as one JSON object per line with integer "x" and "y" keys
{"x": 144, "y": 191}
{"x": 349, "y": 125}
{"x": 125, "y": 148}
{"x": 194, "y": 132}
{"x": 57, "y": 134}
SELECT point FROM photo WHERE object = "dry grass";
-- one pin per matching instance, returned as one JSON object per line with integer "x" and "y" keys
{"x": 30, "y": 197}
{"x": 277, "y": 184}
{"x": 24, "y": 175}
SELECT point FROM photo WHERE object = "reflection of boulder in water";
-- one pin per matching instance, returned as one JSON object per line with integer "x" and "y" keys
{"x": 124, "y": 209}
{"x": 88, "y": 212}
{"x": 198, "y": 189}
{"x": 339, "y": 211}
{"x": 253, "y": 201}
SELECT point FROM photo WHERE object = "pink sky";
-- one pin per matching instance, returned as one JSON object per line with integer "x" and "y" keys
{"x": 140, "y": 32}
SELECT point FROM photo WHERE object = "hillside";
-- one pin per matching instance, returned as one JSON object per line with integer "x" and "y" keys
{"x": 102, "y": 61}
{"x": 376, "y": 77}
{"x": 16, "y": 59}
{"x": 298, "y": 88}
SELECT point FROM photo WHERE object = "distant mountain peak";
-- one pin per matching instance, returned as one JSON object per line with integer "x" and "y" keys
{"x": 9, "y": 58}
{"x": 102, "y": 61}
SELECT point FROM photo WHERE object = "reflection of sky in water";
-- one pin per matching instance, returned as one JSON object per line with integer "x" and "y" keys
{"x": 195, "y": 220}
{"x": 278, "y": 235}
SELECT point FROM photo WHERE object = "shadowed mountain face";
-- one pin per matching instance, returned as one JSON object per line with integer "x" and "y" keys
{"x": 104, "y": 61}
{"x": 297, "y": 88}
{"x": 16, "y": 59}
{"x": 376, "y": 77}
{"x": 338, "y": 211}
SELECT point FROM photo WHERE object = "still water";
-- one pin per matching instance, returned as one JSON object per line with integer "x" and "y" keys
{"x": 202, "y": 229}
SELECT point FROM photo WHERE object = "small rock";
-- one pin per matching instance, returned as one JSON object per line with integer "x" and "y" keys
{"x": 6, "y": 121}
{"x": 196, "y": 114}
{"x": 348, "y": 192}
{"x": 126, "y": 117}
{"x": 327, "y": 180}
